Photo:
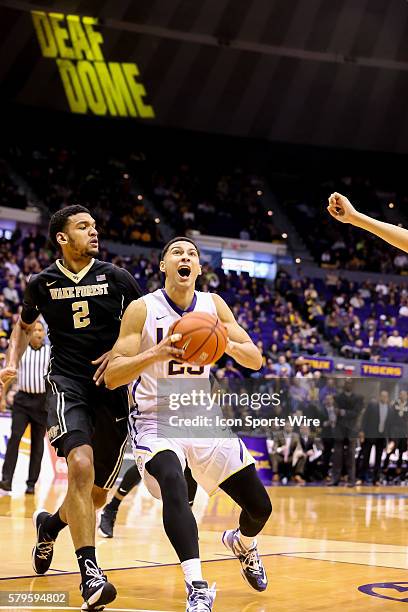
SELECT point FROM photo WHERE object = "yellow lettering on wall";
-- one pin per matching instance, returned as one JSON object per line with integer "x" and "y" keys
{"x": 72, "y": 86}
{"x": 137, "y": 90}
{"x": 95, "y": 38}
{"x": 91, "y": 87}
{"x": 79, "y": 40}
{"x": 61, "y": 35}
{"x": 114, "y": 87}
{"x": 44, "y": 34}
{"x": 90, "y": 84}
{"x": 381, "y": 370}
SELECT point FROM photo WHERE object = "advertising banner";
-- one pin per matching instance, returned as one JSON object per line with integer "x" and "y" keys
{"x": 257, "y": 448}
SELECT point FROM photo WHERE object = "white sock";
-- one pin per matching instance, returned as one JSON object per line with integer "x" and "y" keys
{"x": 192, "y": 570}
{"x": 246, "y": 541}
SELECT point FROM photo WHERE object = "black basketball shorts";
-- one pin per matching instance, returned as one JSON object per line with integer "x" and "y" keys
{"x": 92, "y": 415}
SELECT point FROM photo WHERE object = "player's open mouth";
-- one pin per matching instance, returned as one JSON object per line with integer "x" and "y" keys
{"x": 184, "y": 271}
{"x": 93, "y": 243}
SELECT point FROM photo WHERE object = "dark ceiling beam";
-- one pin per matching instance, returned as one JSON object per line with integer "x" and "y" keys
{"x": 237, "y": 44}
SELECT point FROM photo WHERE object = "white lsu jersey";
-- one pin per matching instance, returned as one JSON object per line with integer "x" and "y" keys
{"x": 161, "y": 314}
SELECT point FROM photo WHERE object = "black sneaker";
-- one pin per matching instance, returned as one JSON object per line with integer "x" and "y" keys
{"x": 5, "y": 485}
{"x": 252, "y": 568}
{"x": 30, "y": 490}
{"x": 96, "y": 590}
{"x": 44, "y": 547}
{"x": 108, "y": 518}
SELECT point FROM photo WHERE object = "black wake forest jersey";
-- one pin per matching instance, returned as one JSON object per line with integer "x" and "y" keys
{"x": 83, "y": 312}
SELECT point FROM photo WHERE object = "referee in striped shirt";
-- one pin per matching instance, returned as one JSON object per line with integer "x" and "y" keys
{"x": 29, "y": 407}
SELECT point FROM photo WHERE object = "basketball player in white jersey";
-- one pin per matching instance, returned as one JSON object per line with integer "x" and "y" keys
{"x": 142, "y": 355}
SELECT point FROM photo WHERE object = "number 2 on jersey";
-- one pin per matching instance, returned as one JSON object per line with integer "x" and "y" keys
{"x": 81, "y": 312}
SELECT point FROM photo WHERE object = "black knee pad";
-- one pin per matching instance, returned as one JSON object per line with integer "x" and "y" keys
{"x": 263, "y": 507}
{"x": 175, "y": 486}
{"x": 246, "y": 489}
{"x": 259, "y": 506}
{"x": 166, "y": 468}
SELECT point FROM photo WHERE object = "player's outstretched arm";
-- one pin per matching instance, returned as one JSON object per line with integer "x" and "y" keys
{"x": 341, "y": 209}
{"x": 17, "y": 345}
{"x": 126, "y": 362}
{"x": 240, "y": 346}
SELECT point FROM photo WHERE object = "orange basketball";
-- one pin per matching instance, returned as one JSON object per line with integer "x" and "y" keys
{"x": 204, "y": 337}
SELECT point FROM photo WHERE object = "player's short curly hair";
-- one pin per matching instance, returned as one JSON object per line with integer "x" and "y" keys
{"x": 59, "y": 220}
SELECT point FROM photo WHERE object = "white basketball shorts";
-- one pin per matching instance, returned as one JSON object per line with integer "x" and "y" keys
{"x": 211, "y": 460}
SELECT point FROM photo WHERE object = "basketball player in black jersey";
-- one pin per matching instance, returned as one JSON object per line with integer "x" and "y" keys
{"x": 82, "y": 300}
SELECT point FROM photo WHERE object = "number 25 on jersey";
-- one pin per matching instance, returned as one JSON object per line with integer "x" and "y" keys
{"x": 176, "y": 368}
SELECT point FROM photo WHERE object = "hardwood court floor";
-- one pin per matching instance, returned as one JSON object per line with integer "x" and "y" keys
{"x": 320, "y": 546}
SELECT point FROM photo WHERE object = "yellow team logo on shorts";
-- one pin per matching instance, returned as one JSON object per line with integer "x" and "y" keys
{"x": 53, "y": 432}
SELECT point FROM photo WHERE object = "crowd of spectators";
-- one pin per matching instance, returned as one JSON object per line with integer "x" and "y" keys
{"x": 323, "y": 429}
{"x": 367, "y": 320}
{"x": 107, "y": 184}
{"x": 220, "y": 204}
{"x": 279, "y": 330}
{"x": 287, "y": 319}
{"x": 352, "y": 418}
{"x": 190, "y": 195}
{"x": 334, "y": 245}
{"x": 10, "y": 193}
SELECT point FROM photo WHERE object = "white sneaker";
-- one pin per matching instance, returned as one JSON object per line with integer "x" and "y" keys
{"x": 200, "y": 598}
{"x": 252, "y": 568}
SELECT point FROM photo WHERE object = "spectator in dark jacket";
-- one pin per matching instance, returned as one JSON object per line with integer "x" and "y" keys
{"x": 398, "y": 430}
{"x": 311, "y": 448}
{"x": 348, "y": 409}
{"x": 374, "y": 432}
{"x": 328, "y": 421}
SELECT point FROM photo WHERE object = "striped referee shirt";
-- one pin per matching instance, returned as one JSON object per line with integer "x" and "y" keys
{"x": 33, "y": 368}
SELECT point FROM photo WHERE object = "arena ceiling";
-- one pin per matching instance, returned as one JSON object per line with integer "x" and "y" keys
{"x": 323, "y": 72}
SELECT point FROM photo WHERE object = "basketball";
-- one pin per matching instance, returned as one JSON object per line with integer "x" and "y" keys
{"x": 204, "y": 337}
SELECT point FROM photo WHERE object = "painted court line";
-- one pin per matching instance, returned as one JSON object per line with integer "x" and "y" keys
{"x": 152, "y": 564}
{"x": 144, "y": 561}
{"x": 296, "y": 556}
